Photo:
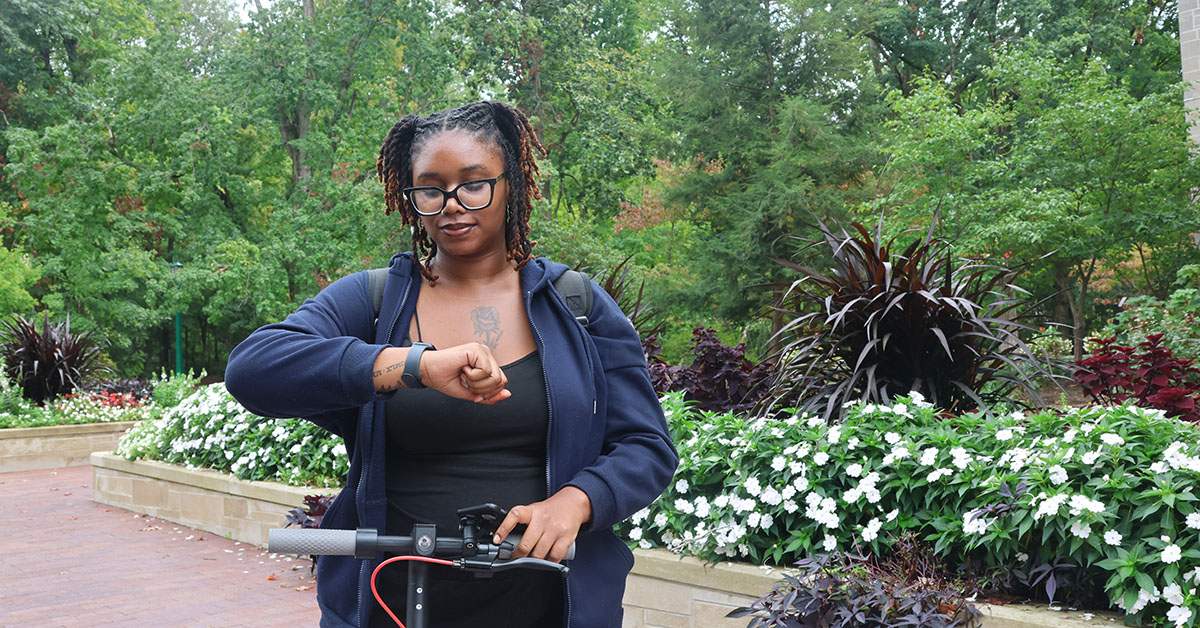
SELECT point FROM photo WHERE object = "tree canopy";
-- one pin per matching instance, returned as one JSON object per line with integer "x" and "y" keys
{"x": 694, "y": 136}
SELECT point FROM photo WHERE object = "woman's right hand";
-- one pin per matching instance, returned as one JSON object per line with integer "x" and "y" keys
{"x": 468, "y": 371}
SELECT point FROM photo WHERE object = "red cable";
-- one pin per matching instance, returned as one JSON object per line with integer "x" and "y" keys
{"x": 436, "y": 561}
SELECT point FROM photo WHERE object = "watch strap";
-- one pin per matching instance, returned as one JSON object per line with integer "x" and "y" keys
{"x": 411, "y": 377}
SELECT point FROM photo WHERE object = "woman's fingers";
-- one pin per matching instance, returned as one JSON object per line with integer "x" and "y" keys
{"x": 467, "y": 372}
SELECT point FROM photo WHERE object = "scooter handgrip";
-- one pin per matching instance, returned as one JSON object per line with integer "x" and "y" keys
{"x": 515, "y": 539}
{"x": 312, "y": 541}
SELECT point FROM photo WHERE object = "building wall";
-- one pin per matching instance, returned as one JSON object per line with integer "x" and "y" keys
{"x": 1189, "y": 54}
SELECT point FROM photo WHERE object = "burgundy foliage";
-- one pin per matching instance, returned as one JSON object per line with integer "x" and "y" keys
{"x": 720, "y": 378}
{"x": 1148, "y": 376}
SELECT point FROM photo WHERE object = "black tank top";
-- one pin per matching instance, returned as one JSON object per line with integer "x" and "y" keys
{"x": 444, "y": 454}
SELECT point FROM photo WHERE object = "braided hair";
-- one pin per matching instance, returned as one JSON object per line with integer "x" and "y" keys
{"x": 496, "y": 121}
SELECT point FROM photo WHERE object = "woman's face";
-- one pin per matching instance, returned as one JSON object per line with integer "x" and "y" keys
{"x": 447, "y": 160}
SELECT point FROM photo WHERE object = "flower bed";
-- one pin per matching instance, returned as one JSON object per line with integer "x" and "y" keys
{"x": 210, "y": 430}
{"x": 1093, "y": 505}
{"x": 1087, "y": 503}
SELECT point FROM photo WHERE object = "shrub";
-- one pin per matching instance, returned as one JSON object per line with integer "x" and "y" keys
{"x": 138, "y": 387}
{"x": 880, "y": 324}
{"x": 209, "y": 429}
{"x": 1177, "y": 318}
{"x": 77, "y": 408}
{"x": 1092, "y": 505}
{"x": 720, "y": 378}
{"x": 1149, "y": 376}
{"x": 48, "y": 363}
{"x": 171, "y": 389}
{"x": 841, "y": 590}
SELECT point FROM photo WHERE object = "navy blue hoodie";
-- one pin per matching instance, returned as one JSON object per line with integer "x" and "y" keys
{"x": 607, "y": 435}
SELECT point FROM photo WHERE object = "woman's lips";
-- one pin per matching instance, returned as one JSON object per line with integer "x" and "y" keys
{"x": 456, "y": 229}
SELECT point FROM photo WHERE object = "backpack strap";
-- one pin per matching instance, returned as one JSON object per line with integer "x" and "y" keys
{"x": 376, "y": 280}
{"x": 576, "y": 290}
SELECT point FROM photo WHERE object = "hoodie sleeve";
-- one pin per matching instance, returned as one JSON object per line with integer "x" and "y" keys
{"x": 637, "y": 459}
{"x": 316, "y": 361}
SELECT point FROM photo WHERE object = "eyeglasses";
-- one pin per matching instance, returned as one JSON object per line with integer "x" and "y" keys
{"x": 430, "y": 200}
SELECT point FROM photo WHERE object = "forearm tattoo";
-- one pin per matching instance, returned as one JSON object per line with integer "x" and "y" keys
{"x": 487, "y": 325}
{"x": 388, "y": 369}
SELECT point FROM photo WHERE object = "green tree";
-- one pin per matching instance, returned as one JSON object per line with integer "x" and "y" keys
{"x": 1049, "y": 163}
{"x": 773, "y": 107}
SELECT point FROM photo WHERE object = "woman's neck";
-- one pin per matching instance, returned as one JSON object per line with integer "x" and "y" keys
{"x": 482, "y": 270}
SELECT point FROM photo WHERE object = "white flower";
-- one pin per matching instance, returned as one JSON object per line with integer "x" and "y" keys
{"x": 720, "y": 501}
{"x": 684, "y": 505}
{"x": 815, "y": 421}
{"x": 1058, "y": 475}
{"x": 1180, "y": 615}
{"x": 1171, "y": 554}
{"x": 1193, "y": 520}
{"x": 892, "y": 438}
{"x": 1004, "y": 435}
{"x": 1173, "y": 594}
{"x": 961, "y": 457}
{"x": 800, "y": 483}
{"x": 778, "y": 463}
{"x": 1081, "y": 530}
{"x": 1022, "y": 557}
{"x": 743, "y": 505}
{"x": 790, "y": 506}
{"x": 752, "y": 520}
{"x": 1193, "y": 575}
{"x": 752, "y": 486}
{"x": 1112, "y": 537}
{"x": 1087, "y": 428}
{"x": 339, "y": 449}
{"x": 1112, "y": 439}
{"x": 1070, "y": 435}
{"x": 854, "y": 470}
{"x": 660, "y": 521}
{"x": 891, "y": 516}
{"x": 974, "y": 523}
{"x": 937, "y": 474}
{"x": 765, "y": 521}
{"x": 852, "y": 443}
{"x": 929, "y": 456}
{"x": 871, "y": 532}
{"x": 829, "y": 544}
{"x": 635, "y": 534}
{"x": 834, "y": 434}
{"x": 820, "y": 458}
{"x": 770, "y": 496}
{"x": 682, "y": 486}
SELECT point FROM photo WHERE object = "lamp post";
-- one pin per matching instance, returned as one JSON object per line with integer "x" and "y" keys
{"x": 175, "y": 266}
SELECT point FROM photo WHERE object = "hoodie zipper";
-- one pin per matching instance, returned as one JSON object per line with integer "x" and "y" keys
{"x": 549, "y": 431}
{"x": 358, "y": 494}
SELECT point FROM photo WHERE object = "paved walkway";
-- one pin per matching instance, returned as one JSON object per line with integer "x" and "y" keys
{"x": 68, "y": 561}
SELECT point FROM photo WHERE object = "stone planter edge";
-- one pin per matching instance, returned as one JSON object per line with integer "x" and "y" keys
{"x": 54, "y": 446}
{"x": 209, "y": 480}
{"x": 65, "y": 430}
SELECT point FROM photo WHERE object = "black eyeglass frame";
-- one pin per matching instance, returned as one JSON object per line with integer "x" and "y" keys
{"x": 446, "y": 195}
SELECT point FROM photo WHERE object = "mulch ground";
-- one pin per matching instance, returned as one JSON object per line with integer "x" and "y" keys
{"x": 68, "y": 561}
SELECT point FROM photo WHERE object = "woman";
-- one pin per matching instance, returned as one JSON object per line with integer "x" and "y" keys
{"x": 517, "y": 405}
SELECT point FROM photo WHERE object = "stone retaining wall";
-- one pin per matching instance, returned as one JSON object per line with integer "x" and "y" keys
{"x": 205, "y": 500}
{"x": 664, "y": 590}
{"x": 30, "y": 448}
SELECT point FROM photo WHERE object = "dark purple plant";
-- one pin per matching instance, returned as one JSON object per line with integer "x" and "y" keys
{"x": 48, "y": 363}
{"x": 720, "y": 378}
{"x": 309, "y": 516}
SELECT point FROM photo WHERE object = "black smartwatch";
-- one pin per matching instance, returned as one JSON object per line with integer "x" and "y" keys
{"x": 411, "y": 377}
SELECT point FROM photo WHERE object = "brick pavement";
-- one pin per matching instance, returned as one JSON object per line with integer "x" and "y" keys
{"x": 68, "y": 561}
